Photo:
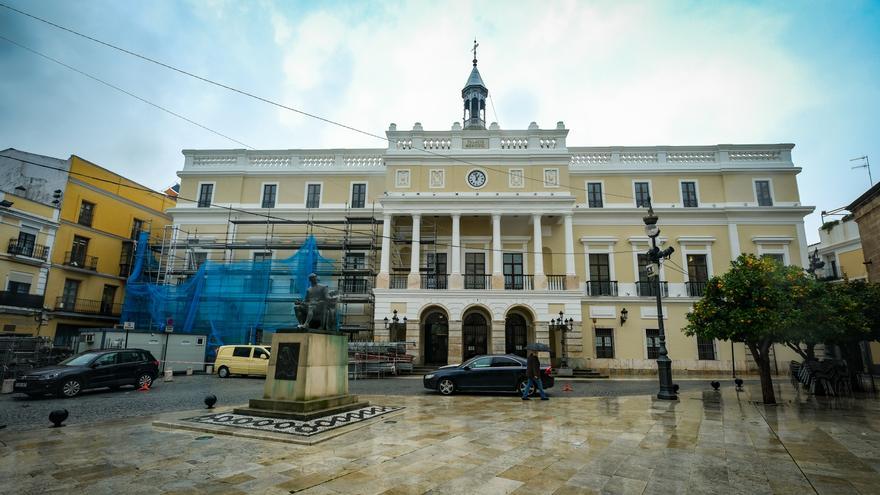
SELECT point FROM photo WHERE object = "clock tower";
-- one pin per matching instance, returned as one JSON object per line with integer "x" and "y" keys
{"x": 474, "y": 95}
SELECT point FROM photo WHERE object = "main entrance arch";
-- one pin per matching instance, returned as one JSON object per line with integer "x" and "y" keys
{"x": 474, "y": 335}
{"x": 435, "y": 329}
{"x": 515, "y": 334}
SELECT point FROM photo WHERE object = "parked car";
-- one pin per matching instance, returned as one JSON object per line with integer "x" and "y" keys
{"x": 92, "y": 369}
{"x": 242, "y": 360}
{"x": 502, "y": 373}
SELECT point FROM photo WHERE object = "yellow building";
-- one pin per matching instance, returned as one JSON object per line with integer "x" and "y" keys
{"x": 30, "y": 194}
{"x": 488, "y": 235}
{"x": 102, "y": 214}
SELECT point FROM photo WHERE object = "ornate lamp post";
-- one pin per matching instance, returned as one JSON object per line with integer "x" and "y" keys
{"x": 655, "y": 255}
{"x": 563, "y": 325}
{"x": 394, "y": 325}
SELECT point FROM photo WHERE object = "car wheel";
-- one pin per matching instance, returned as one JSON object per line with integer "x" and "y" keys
{"x": 223, "y": 372}
{"x": 446, "y": 386}
{"x": 145, "y": 379}
{"x": 70, "y": 388}
{"x": 522, "y": 386}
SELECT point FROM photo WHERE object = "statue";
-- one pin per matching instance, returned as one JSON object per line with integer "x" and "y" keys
{"x": 317, "y": 311}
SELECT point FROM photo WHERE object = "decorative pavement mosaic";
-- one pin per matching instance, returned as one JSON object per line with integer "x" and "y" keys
{"x": 706, "y": 443}
{"x": 290, "y": 427}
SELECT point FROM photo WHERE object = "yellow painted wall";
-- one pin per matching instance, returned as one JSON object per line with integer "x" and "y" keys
{"x": 852, "y": 264}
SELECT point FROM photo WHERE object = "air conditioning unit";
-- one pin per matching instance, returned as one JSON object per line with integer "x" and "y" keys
{"x": 90, "y": 337}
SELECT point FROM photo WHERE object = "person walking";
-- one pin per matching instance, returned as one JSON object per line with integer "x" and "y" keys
{"x": 533, "y": 370}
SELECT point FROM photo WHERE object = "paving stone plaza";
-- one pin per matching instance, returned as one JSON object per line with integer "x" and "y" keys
{"x": 707, "y": 442}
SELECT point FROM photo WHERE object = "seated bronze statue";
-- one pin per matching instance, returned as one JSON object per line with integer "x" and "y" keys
{"x": 317, "y": 311}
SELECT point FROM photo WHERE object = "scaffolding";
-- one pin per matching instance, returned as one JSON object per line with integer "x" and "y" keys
{"x": 366, "y": 359}
{"x": 433, "y": 271}
{"x": 199, "y": 281}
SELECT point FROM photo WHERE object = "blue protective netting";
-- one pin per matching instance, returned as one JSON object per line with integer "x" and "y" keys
{"x": 229, "y": 301}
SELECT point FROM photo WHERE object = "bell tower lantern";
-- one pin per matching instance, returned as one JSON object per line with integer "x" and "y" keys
{"x": 474, "y": 95}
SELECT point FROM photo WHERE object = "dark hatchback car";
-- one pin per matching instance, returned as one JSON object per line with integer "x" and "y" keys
{"x": 92, "y": 369}
{"x": 499, "y": 373}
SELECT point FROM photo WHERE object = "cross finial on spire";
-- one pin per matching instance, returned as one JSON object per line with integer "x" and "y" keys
{"x": 475, "y": 51}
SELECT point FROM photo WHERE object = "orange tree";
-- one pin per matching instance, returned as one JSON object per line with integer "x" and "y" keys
{"x": 757, "y": 302}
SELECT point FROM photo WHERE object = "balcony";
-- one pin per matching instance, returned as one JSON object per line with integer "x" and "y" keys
{"x": 696, "y": 289}
{"x": 519, "y": 282}
{"x": 19, "y": 300}
{"x": 434, "y": 281}
{"x": 355, "y": 285}
{"x": 19, "y": 248}
{"x": 80, "y": 260}
{"x": 397, "y": 281}
{"x": 602, "y": 288}
{"x": 649, "y": 289}
{"x": 556, "y": 282}
{"x": 88, "y": 306}
{"x": 477, "y": 281}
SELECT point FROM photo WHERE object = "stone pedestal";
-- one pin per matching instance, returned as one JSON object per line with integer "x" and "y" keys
{"x": 307, "y": 377}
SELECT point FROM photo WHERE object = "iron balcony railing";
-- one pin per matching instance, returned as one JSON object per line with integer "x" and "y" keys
{"x": 80, "y": 260}
{"x": 556, "y": 282}
{"x": 434, "y": 281}
{"x": 602, "y": 288}
{"x": 398, "y": 281}
{"x": 354, "y": 285}
{"x": 478, "y": 281}
{"x": 649, "y": 289}
{"x": 19, "y": 300}
{"x": 28, "y": 249}
{"x": 87, "y": 306}
{"x": 519, "y": 282}
{"x": 696, "y": 289}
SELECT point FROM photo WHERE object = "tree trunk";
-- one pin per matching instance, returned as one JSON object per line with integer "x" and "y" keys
{"x": 797, "y": 348}
{"x": 762, "y": 357}
{"x": 811, "y": 351}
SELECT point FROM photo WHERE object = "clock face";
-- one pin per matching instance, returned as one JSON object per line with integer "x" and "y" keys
{"x": 477, "y": 178}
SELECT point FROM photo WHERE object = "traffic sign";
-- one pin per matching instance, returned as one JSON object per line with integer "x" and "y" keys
{"x": 128, "y": 325}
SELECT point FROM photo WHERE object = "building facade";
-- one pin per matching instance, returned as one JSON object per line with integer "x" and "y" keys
{"x": 840, "y": 248}
{"x": 866, "y": 210}
{"x": 492, "y": 238}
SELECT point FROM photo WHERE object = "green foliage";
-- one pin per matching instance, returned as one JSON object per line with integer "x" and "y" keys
{"x": 827, "y": 226}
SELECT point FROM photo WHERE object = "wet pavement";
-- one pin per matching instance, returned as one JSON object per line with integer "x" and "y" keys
{"x": 707, "y": 442}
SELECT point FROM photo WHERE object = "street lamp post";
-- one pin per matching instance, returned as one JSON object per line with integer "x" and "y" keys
{"x": 563, "y": 325}
{"x": 655, "y": 255}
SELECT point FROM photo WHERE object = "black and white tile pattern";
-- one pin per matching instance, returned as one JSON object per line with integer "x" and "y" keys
{"x": 292, "y": 427}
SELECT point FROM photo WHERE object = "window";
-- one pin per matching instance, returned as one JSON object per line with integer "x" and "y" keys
{"x": 269, "y": 192}
{"x": 313, "y": 199}
{"x": 503, "y": 362}
{"x": 357, "y": 261}
{"x": 130, "y": 357}
{"x": 358, "y": 195}
{"x": 78, "y": 251}
{"x": 594, "y": 194}
{"x": 600, "y": 269}
{"x": 689, "y": 194}
{"x": 698, "y": 270}
{"x": 261, "y": 257}
{"x": 652, "y": 341}
{"x": 777, "y": 257}
{"x": 474, "y": 270}
{"x": 107, "y": 298}
{"x": 762, "y": 191}
{"x": 513, "y": 271}
{"x": 643, "y": 194}
{"x": 705, "y": 349}
{"x": 197, "y": 259}
{"x": 241, "y": 352}
{"x": 483, "y": 362}
{"x": 259, "y": 353}
{"x": 68, "y": 296}
{"x": 108, "y": 359}
{"x": 18, "y": 287}
{"x": 206, "y": 193}
{"x": 8, "y": 328}
{"x": 834, "y": 268}
{"x": 86, "y": 212}
{"x": 137, "y": 225}
{"x": 605, "y": 343}
{"x": 25, "y": 245}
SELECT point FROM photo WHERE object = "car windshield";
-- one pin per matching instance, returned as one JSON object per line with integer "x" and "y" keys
{"x": 81, "y": 360}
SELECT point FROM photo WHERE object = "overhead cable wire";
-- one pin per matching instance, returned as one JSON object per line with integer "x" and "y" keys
{"x": 117, "y": 88}
{"x": 277, "y": 104}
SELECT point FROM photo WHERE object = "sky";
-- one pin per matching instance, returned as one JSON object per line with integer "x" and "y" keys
{"x": 617, "y": 73}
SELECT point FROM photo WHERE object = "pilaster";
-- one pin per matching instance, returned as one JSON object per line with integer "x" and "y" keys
{"x": 454, "y": 346}
{"x": 498, "y": 338}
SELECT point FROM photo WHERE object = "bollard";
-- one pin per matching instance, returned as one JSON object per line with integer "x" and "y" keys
{"x": 8, "y": 386}
{"x": 209, "y": 369}
{"x": 189, "y": 371}
{"x": 169, "y": 376}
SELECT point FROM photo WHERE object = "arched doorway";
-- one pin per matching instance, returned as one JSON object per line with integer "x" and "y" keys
{"x": 474, "y": 335}
{"x": 515, "y": 334}
{"x": 436, "y": 341}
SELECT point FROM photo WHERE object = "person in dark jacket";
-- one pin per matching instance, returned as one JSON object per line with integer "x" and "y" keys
{"x": 533, "y": 370}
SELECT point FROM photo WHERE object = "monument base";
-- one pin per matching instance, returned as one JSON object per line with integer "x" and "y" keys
{"x": 306, "y": 378}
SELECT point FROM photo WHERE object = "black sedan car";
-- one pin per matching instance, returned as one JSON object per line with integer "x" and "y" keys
{"x": 92, "y": 369}
{"x": 500, "y": 373}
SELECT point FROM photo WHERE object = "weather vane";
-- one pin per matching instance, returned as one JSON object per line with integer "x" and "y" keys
{"x": 475, "y": 51}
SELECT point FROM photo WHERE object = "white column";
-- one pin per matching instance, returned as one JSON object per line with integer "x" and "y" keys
{"x": 416, "y": 244}
{"x": 456, "y": 243}
{"x": 538, "y": 245}
{"x": 496, "y": 245}
{"x": 569, "y": 245}
{"x": 802, "y": 245}
{"x": 385, "y": 264}
{"x": 733, "y": 235}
